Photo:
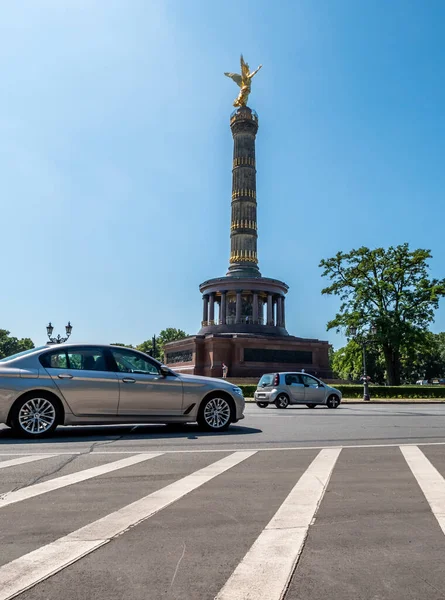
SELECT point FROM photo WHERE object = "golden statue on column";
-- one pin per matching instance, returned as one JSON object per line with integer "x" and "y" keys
{"x": 243, "y": 81}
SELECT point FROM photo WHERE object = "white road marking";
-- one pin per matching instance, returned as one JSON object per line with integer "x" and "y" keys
{"x": 28, "y": 570}
{"x": 279, "y": 449}
{"x": 265, "y": 571}
{"x": 429, "y": 479}
{"x": 227, "y": 450}
{"x": 60, "y": 482}
{"x": 46, "y": 454}
{"x": 23, "y": 460}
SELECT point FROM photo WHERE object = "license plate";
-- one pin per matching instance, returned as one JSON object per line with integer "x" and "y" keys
{"x": 261, "y": 395}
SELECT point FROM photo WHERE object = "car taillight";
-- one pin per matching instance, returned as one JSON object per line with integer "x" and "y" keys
{"x": 276, "y": 379}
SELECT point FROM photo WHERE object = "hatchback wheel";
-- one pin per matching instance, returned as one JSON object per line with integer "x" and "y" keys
{"x": 282, "y": 401}
{"x": 35, "y": 416}
{"x": 311, "y": 405}
{"x": 262, "y": 404}
{"x": 332, "y": 401}
{"x": 215, "y": 414}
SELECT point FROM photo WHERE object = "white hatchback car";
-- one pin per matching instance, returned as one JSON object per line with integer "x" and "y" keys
{"x": 283, "y": 389}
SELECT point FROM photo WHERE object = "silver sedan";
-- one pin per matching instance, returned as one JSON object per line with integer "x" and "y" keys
{"x": 73, "y": 384}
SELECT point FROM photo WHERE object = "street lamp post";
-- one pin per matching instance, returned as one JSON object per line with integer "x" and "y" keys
{"x": 58, "y": 339}
{"x": 364, "y": 340}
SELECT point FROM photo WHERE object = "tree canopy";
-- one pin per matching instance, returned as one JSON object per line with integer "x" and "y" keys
{"x": 424, "y": 360}
{"x": 347, "y": 362}
{"x": 388, "y": 288}
{"x": 11, "y": 345}
{"x": 170, "y": 334}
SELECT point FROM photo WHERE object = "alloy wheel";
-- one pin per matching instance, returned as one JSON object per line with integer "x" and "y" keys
{"x": 282, "y": 401}
{"x": 37, "y": 416}
{"x": 333, "y": 402}
{"x": 217, "y": 413}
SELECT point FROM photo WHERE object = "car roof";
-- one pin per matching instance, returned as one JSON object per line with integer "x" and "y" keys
{"x": 86, "y": 345}
{"x": 289, "y": 373}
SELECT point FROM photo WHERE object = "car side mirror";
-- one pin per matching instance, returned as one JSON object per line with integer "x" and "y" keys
{"x": 165, "y": 371}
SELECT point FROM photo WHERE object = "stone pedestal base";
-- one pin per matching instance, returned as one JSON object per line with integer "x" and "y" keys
{"x": 247, "y": 355}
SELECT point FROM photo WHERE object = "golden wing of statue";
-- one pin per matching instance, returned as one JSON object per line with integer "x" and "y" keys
{"x": 245, "y": 71}
{"x": 236, "y": 78}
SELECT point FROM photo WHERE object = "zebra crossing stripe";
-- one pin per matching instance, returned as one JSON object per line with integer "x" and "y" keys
{"x": 60, "y": 482}
{"x": 23, "y": 460}
{"x": 265, "y": 571}
{"x": 28, "y": 570}
{"x": 429, "y": 479}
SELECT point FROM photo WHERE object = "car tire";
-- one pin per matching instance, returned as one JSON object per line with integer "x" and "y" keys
{"x": 333, "y": 401}
{"x": 36, "y": 415}
{"x": 215, "y": 413}
{"x": 262, "y": 404}
{"x": 311, "y": 405}
{"x": 282, "y": 401}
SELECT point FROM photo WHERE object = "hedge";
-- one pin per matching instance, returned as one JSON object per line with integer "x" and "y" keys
{"x": 248, "y": 390}
{"x": 387, "y": 391}
{"x": 376, "y": 391}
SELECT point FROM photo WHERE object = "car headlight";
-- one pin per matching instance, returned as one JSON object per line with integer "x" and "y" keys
{"x": 237, "y": 390}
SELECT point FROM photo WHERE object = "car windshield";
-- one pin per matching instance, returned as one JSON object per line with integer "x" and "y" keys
{"x": 266, "y": 380}
{"x": 19, "y": 354}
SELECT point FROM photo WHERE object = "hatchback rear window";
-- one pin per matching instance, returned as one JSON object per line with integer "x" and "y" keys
{"x": 266, "y": 380}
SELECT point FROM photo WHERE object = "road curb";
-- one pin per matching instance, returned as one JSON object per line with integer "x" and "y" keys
{"x": 382, "y": 401}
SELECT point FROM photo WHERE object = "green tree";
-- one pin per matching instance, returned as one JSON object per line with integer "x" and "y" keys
{"x": 171, "y": 334}
{"x": 389, "y": 288}
{"x": 425, "y": 360}
{"x": 12, "y": 345}
{"x": 147, "y": 347}
{"x": 347, "y": 362}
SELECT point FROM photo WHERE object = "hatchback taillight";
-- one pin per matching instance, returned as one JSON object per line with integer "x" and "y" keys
{"x": 276, "y": 379}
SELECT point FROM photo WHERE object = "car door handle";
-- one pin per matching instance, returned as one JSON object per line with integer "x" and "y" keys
{"x": 64, "y": 376}
{"x": 128, "y": 380}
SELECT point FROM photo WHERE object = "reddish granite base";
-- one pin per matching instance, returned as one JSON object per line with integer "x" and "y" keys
{"x": 247, "y": 355}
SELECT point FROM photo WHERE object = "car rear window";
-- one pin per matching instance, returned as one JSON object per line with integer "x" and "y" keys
{"x": 266, "y": 380}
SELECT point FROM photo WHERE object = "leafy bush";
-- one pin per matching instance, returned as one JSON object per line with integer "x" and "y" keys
{"x": 386, "y": 391}
{"x": 248, "y": 390}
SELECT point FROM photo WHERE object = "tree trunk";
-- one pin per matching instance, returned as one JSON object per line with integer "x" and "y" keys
{"x": 392, "y": 362}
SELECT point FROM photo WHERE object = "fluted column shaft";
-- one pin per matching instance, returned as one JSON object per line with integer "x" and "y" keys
{"x": 269, "y": 309}
{"x": 255, "y": 308}
{"x": 243, "y": 229}
{"x": 279, "y": 311}
{"x": 223, "y": 312}
{"x": 205, "y": 308}
{"x": 238, "y": 308}
{"x": 212, "y": 308}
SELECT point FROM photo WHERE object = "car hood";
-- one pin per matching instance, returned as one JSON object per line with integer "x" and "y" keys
{"x": 207, "y": 380}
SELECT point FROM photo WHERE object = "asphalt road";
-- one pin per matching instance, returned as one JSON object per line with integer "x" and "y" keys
{"x": 296, "y": 504}
{"x": 294, "y": 427}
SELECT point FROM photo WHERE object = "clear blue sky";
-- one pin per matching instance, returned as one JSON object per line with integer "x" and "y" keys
{"x": 115, "y": 152}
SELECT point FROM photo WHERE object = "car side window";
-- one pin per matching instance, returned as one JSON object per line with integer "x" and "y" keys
{"x": 308, "y": 380}
{"x": 131, "y": 362}
{"x": 54, "y": 360}
{"x": 87, "y": 359}
{"x": 292, "y": 378}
